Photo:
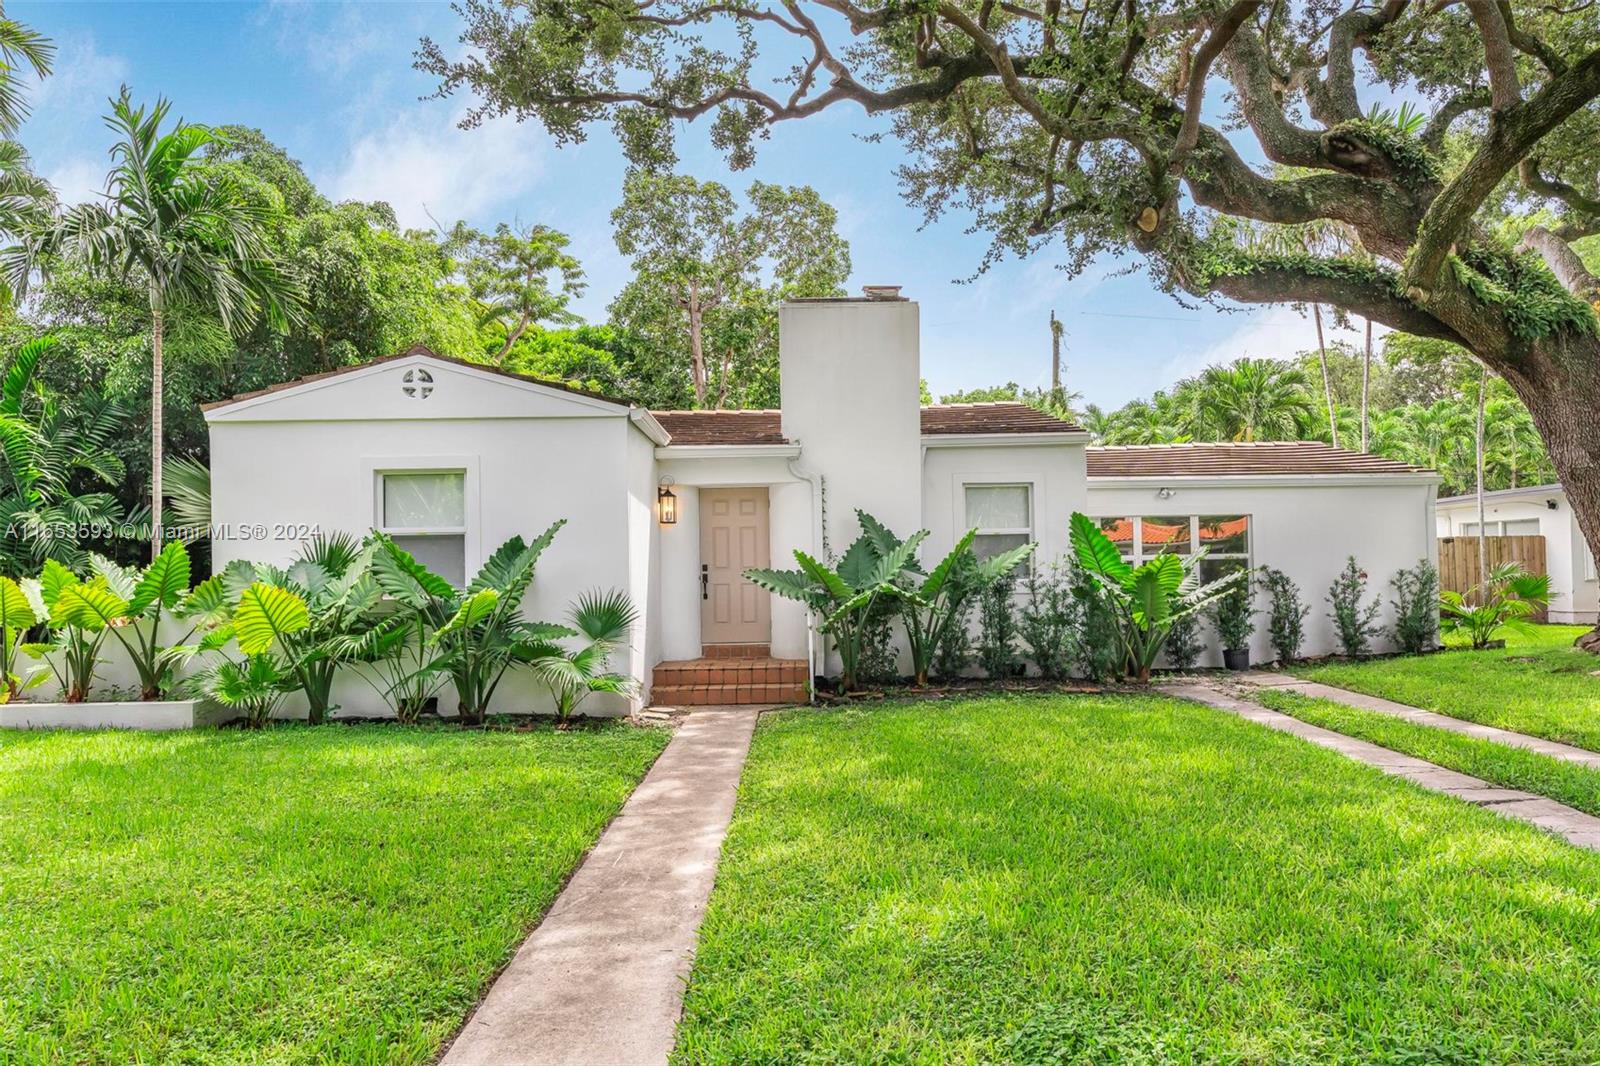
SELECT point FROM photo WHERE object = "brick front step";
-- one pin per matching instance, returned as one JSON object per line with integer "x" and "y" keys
{"x": 715, "y": 682}
{"x": 736, "y": 651}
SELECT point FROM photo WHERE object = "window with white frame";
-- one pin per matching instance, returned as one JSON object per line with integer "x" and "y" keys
{"x": 425, "y": 513}
{"x": 1002, "y": 515}
{"x": 1512, "y": 527}
{"x": 1224, "y": 538}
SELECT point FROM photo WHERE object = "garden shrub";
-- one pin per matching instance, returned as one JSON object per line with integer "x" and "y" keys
{"x": 1097, "y": 647}
{"x": 1286, "y": 614}
{"x": 1183, "y": 642}
{"x": 1355, "y": 624}
{"x": 1416, "y": 608}
{"x": 953, "y": 654}
{"x": 1233, "y": 617}
{"x": 997, "y": 629}
{"x": 1049, "y": 622}
{"x": 878, "y": 663}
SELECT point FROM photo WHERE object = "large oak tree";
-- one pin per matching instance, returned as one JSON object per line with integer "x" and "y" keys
{"x": 1179, "y": 130}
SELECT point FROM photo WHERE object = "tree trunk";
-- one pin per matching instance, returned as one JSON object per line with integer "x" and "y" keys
{"x": 1483, "y": 539}
{"x": 1327, "y": 382}
{"x": 511, "y": 339}
{"x": 157, "y": 452}
{"x": 1366, "y": 387}
{"x": 697, "y": 355}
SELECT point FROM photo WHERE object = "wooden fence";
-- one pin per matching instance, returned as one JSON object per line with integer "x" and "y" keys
{"x": 1458, "y": 560}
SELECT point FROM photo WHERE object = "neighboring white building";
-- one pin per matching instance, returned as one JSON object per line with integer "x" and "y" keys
{"x": 1540, "y": 510}
{"x": 453, "y": 458}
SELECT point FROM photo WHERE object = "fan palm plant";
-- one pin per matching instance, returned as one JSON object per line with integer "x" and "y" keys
{"x": 190, "y": 235}
{"x": 603, "y": 620}
{"x": 1508, "y": 597}
{"x": 1256, "y": 399}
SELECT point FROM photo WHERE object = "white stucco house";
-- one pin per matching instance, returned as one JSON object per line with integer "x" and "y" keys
{"x": 1543, "y": 511}
{"x": 452, "y": 458}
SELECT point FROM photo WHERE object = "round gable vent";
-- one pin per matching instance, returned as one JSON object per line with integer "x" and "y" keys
{"x": 417, "y": 383}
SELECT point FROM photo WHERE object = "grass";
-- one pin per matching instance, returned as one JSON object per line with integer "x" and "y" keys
{"x": 1125, "y": 879}
{"x": 296, "y": 895}
{"x": 1538, "y": 684}
{"x": 1499, "y": 764}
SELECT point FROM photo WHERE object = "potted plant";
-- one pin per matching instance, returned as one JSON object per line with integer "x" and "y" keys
{"x": 1234, "y": 619}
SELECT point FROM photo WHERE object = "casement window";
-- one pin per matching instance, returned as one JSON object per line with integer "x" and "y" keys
{"x": 1002, "y": 515}
{"x": 425, "y": 512}
{"x": 1225, "y": 539}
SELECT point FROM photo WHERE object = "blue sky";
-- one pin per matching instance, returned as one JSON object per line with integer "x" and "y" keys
{"x": 333, "y": 83}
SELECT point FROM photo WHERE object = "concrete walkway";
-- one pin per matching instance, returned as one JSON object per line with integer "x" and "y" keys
{"x": 1577, "y": 827}
{"x": 601, "y": 979}
{"x": 1564, "y": 752}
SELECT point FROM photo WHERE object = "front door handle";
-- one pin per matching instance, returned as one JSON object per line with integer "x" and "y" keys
{"x": 705, "y": 581}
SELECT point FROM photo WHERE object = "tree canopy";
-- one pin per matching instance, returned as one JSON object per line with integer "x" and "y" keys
{"x": 1104, "y": 127}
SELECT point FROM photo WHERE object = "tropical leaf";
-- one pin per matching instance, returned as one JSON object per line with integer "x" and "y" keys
{"x": 858, "y": 567}
{"x": 187, "y": 484}
{"x": 790, "y": 584}
{"x": 1152, "y": 602}
{"x": 1094, "y": 549}
{"x": 474, "y": 609}
{"x": 833, "y": 585}
{"x": 882, "y": 539}
{"x": 605, "y": 617}
{"x": 91, "y": 607}
{"x": 52, "y": 579}
{"x": 950, "y": 566}
{"x": 16, "y": 614}
{"x": 119, "y": 579}
{"x": 997, "y": 566}
{"x": 208, "y": 604}
{"x": 19, "y": 375}
{"x": 401, "y": 576}
{"x": 164, "y": 582}
{"x": 264, "y": 614}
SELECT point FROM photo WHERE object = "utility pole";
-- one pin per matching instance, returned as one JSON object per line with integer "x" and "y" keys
{"x": 1055, "y": 354}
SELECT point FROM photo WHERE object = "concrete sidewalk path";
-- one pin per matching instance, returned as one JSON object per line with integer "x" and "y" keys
{"x": 1578, "y": 828}
{"x": 1362, "y": 701}
{"x": 601, "y": 979}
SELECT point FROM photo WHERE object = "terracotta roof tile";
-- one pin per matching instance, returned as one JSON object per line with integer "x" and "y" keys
{"x": 415, "y": 349}
{"x": 1224, "y": 460}
{"x": 722, "y": 427}
{"x": 951, "y": 418}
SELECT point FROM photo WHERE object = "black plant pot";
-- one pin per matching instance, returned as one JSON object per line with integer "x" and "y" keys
{"x": 1236, "y": 658}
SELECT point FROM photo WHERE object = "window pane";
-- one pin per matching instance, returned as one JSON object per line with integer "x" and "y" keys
{"x": 432, "y": 500}
{"x": 1215, "y": 569}
{"x": 1169, "y": 534}
{"x": 1227, "y": 534}
{"x": 998, "y": 507}
{"x": 1118, "y": 531}
{"x": 1523, "y": 527}
{"x": 988, "y": 544}
{"x": 1470, "y": 529}
{"x": 445, "y": 555}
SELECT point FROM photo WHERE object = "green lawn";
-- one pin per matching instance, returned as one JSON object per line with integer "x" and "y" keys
{"x": 1499, "y": 764}
{"x": 1538, "y": 684}
{"x": 1125, "y": 879}
{"x": 297, "y": 895}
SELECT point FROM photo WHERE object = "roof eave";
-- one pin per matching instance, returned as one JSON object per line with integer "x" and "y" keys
{"x": 1348, "y": 477}
{"x": 1012, "y": 438}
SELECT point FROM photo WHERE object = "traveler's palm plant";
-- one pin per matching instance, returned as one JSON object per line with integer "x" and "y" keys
{"x": 845, "y": 597}
{"x": 1149, "y": 597}
{"x": 603, "y": 620}
{"x": 476, "y": 633}
{"x": 1506, "y": 600}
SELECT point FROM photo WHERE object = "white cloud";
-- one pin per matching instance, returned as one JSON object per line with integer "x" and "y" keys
{"x": 1272, "y": 333}
{"x": 83, "y": 79}
{"x": 79, "y": 179}
{"x": 422, "y": 164}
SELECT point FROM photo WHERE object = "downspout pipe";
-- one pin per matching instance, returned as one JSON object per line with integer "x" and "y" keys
{"x": 817, "y": 538}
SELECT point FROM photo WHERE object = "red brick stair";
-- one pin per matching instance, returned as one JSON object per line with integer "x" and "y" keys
{"x": 716, "y": 681}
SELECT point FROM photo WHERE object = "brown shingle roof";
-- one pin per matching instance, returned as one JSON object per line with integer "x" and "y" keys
{"x": 415, "y": 349}
{"x": 722, "y": 427}
{"x": 943, "y": 418}
{"x": 1225, "y": 460}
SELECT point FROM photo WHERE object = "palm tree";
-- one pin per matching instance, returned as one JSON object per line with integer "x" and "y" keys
{"x": 19, "y": 46}
{"x": 192, "y": 236}
{"x": 26, "y": 200}
{"x": 1255, "y": 399}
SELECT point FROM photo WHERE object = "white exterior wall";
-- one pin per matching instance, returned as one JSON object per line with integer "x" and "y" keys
{"x": 531, "y": 456}
{"x": 1055, "y": 475}
{"x": 1574, "y": 590}
{"x": 1304, "y": 527}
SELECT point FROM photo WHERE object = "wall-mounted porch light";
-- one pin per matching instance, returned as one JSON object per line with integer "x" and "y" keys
{"x": 669, "y": 506}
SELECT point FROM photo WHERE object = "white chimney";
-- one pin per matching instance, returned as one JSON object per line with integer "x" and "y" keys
{"x": 850, "y": 373}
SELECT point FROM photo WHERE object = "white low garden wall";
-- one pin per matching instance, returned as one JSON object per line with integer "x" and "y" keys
{"x": 148, "y": 715}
